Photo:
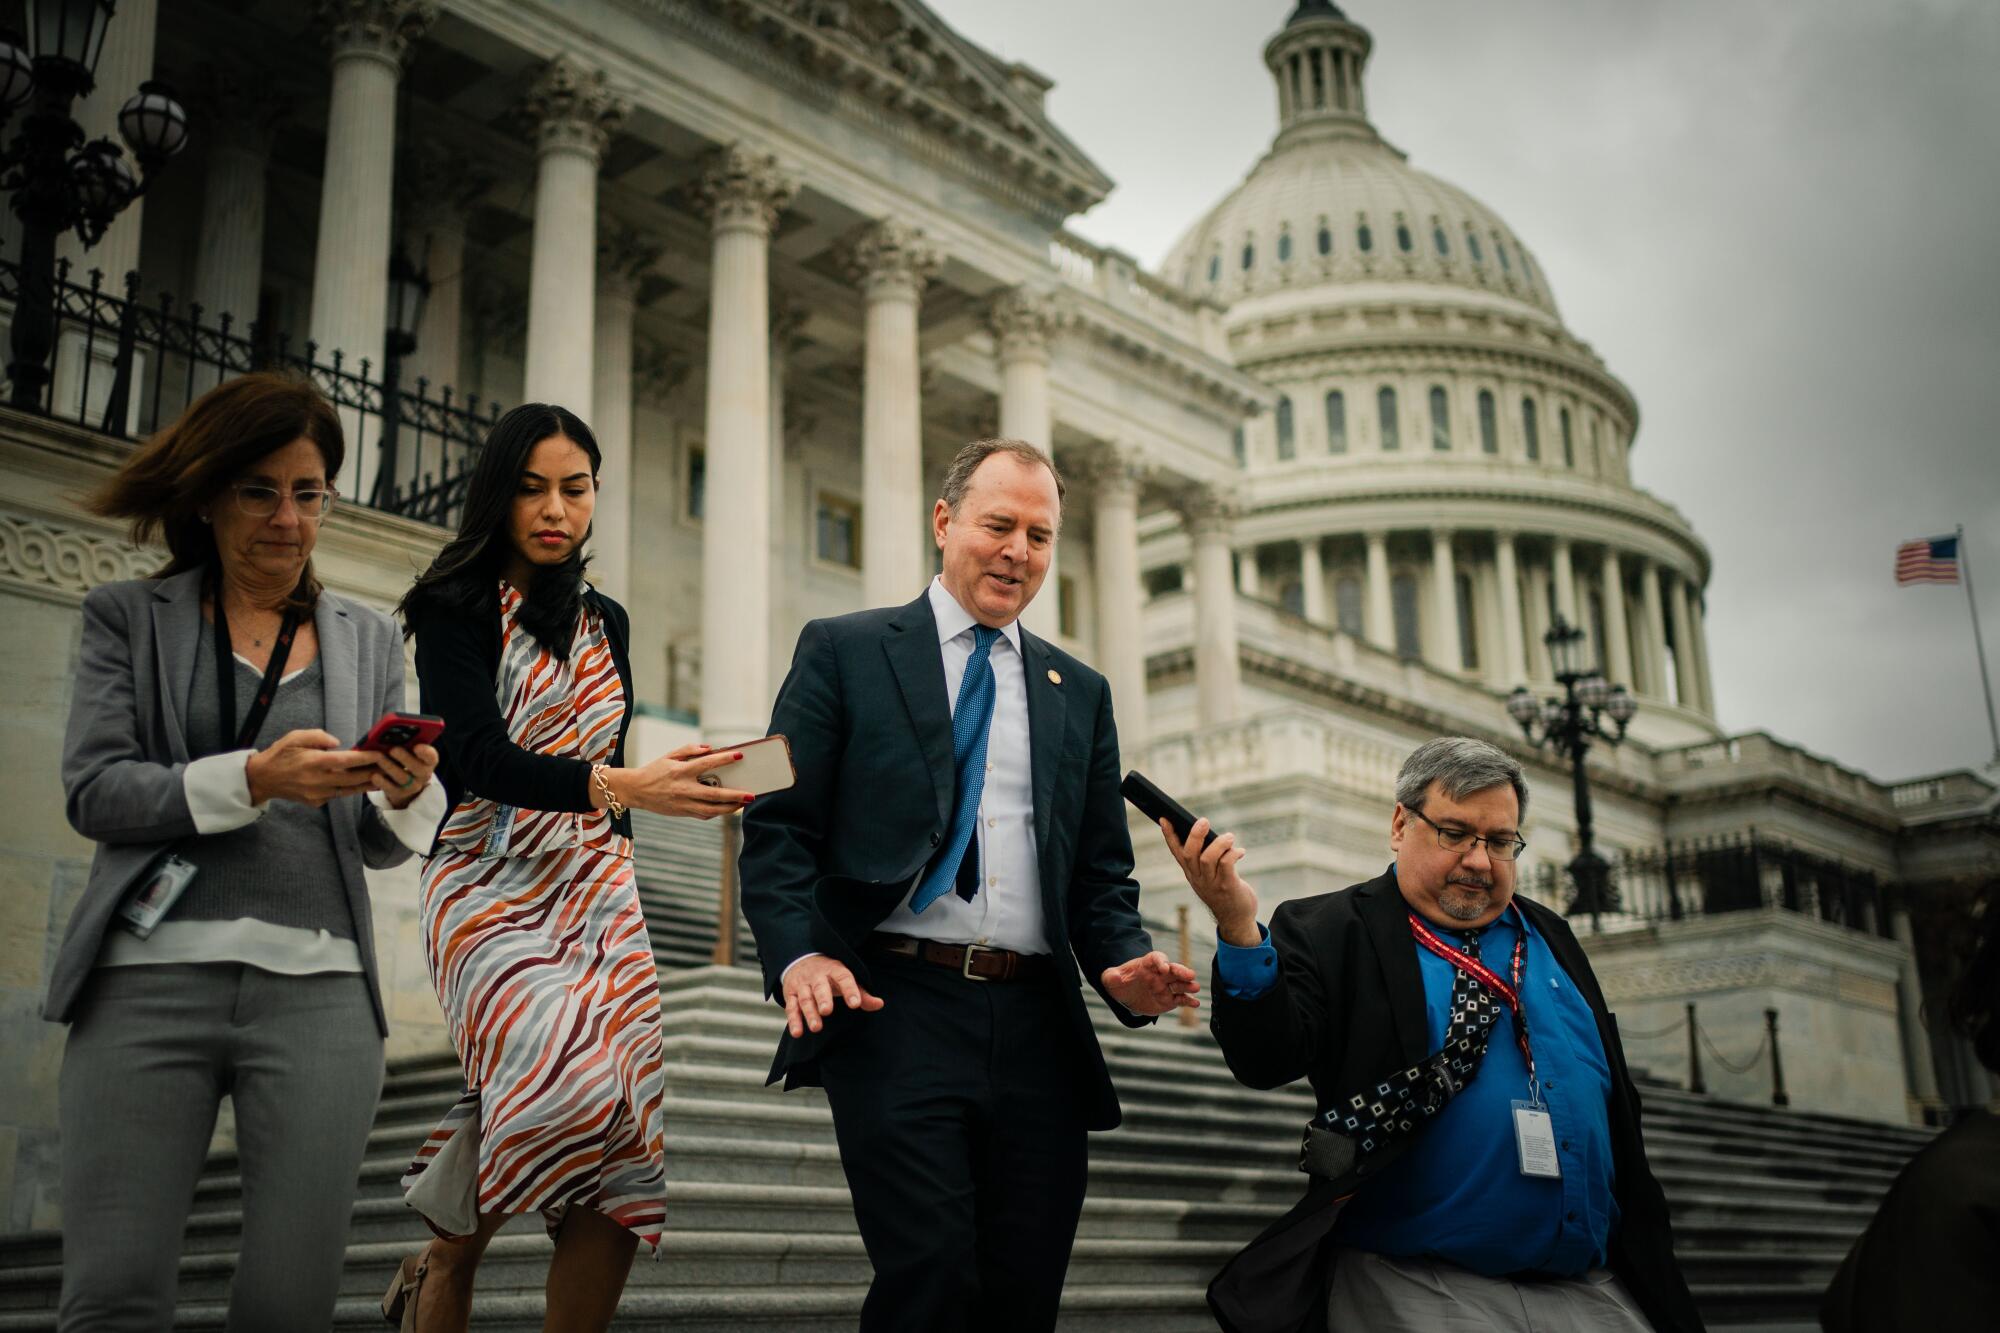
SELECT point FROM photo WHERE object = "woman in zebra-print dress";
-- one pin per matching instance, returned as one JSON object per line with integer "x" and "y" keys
{"x": 530, "y": 910}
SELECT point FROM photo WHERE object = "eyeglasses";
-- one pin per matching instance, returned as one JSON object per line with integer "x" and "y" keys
{"x": 261, "y": 501}
{"x": 1462, "y": 839}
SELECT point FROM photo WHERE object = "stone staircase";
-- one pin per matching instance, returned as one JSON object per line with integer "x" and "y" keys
{"x": 762, "y": 1235}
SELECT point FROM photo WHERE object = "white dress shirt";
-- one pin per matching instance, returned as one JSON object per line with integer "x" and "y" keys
{"x": 1007, "y": 911}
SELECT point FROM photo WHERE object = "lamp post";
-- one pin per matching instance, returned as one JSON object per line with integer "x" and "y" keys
{"x": 58, "y": 181}
{"x": 1568, "y": 725}
{"x": 409, "y": 287}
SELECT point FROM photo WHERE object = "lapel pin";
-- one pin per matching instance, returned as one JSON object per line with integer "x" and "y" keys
{"x": 1055, "y": 676}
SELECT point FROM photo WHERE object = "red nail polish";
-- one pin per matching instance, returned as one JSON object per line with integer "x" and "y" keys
{"x": 748, "y": 799}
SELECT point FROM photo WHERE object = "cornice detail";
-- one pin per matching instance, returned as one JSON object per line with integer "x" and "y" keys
{"x": 742, "y": 187}
{"x": 573, "y": 108}
{"x": 892, "y": 259}
{"x": 385, "y": 29}
{"x": 67, "y": 560}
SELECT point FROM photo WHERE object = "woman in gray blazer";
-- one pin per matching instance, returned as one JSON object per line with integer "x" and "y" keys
{"x": 213, "y": 709}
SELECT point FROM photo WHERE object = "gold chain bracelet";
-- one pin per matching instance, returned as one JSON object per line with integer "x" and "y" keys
{"x": 610, "y": 801}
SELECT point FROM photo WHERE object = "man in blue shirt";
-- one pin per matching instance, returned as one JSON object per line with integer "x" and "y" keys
{"x": 1486, "y": 1168}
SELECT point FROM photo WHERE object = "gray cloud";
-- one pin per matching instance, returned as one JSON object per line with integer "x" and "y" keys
{"x": 1775, "y": 221}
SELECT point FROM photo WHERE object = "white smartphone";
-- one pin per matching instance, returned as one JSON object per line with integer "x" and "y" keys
{"x": 766, "y": 766}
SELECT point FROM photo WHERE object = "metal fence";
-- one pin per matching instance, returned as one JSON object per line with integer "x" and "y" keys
{"x": 1735, "y": 873}
{"x": 127, "y": 367}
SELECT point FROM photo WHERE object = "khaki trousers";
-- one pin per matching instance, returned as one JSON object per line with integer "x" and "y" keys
{"x": 1376, "y": 1294}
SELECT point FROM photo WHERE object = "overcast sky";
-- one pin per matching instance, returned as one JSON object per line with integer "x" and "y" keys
{"x": 1778, "y": 222}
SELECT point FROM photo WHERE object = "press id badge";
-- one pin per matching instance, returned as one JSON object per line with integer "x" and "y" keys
{"x": 154, "y": 896}
{"x": 1535, "y": 1136}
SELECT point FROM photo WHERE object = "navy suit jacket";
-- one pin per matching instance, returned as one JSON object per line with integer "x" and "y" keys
{"x": 869, "y": 721}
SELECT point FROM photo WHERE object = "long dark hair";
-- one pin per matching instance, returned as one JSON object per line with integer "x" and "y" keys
{"x": 164, "y": 485}
{"x": 464, "y": 577}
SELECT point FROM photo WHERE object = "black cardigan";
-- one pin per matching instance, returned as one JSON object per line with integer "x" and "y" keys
{"x": 1348, "y": 1007}
{"x": 458, "y": 663}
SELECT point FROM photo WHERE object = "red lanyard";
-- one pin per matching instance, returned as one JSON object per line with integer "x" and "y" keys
{"x": 1487, "y": 977}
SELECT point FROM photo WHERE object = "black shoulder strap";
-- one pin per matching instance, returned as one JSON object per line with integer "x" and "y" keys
{"x": 225, "y": 672}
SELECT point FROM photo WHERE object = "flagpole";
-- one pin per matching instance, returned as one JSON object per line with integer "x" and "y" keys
{"x": 1978, "y": 642}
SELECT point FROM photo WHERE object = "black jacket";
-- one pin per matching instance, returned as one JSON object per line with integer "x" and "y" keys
{"x": 1348, "y": 1008}
{"x": 458, "y": 664}
{"x": 869, "y": 721}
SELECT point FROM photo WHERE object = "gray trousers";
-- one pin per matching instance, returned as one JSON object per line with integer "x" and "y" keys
{"x": 151, "y": 1053}
{"x": 1373, "y": 1293}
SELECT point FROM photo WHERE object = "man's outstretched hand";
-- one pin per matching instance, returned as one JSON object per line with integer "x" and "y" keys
{"x": 810, "y": 987}
{"x": 1152, "y": 984}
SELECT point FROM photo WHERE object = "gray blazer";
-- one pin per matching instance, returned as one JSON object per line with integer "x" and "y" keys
{"x": 126, "y": 746}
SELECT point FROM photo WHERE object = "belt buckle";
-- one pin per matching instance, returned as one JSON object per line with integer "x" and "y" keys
{"x": 965, "y": 964}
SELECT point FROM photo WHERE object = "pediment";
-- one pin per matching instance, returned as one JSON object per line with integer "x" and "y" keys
{"x": 902, "y": 56}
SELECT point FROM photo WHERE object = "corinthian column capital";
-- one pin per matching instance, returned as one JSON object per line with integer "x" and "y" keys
{"x": 1023, "y": 319}
{"x": 573, "y": 108}
{"x": 238, "y": 106}
{"x": 893, "y": 258}
{"x": 1208, "y": 511}
{"x": 624, "y": 254}
{"x": 744, "y": 188}
{"x": 1114, "y": 470}
{"x": 384, "y": 29}
{"x": 437, "y": 183}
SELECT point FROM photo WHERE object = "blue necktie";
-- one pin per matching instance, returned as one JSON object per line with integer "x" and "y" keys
{"x": 971, "y": 720}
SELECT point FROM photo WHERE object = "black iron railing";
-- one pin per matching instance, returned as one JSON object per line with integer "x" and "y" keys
{"x": 127, "y": 367}
{"x": 1735, "y": 873}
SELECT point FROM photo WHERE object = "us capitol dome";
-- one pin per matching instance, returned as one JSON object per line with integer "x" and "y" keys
{"x": 1447, "y": 466}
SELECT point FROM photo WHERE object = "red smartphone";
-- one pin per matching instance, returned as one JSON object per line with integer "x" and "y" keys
{"x": 402, "y": 729}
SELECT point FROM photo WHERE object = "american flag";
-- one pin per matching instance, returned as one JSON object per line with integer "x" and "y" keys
{"x": 1928, "y": 560}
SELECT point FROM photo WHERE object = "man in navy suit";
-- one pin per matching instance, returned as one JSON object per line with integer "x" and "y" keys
{"x": 953, "y": 850}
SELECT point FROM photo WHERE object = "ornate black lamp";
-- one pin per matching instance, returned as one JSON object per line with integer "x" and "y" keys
{"x": 1568, "y": 725}
{"x": 409, "y": 288}
{"x": 59, "y": 182}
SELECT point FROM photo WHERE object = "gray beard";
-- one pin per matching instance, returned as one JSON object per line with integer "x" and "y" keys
{"x": 1462, "y": 903}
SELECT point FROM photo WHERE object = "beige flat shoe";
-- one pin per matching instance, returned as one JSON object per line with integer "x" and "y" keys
{"x": 399, "y": 1303}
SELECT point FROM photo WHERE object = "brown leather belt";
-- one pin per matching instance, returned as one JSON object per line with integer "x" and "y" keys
{"x": 974, "y": 962}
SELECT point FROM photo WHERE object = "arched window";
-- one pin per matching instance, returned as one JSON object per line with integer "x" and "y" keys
{"x": 1325, "y": 239}
{"x": 1292, "y": 596}
{"x": 1385, "y": 408}
{"x": 1236, "y": 443}
{"x": 1531, "y": 429}
{"x": 1440, "y": 418}
{"x": 1568, "y": 439}
{"x": 1489, "y": 423}
{"x": 1527, "y": 270}
{"x": 1215, "y": 268}
{"x": 1364, "y": 238}
{"x": 1287, "y": 441}
{"x": 1500, "y": 249}
{"x": 1596, "y": 446}
{"x": 1404, "y": 241}
{"x": 1347, "y": 611}
{"x": 1336, "y": 422}
{"x": 1284, "y": 247}
{"x": 1472, "y": 246}
{"x": 1249, "y": 254}
{"x": 1438, "y": 240}
{"x": 1468, "y": 625}
{"x": 1403, "y": 604}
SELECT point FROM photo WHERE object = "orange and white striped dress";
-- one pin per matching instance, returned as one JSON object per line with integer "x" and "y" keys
{"x": 539, "y": 953}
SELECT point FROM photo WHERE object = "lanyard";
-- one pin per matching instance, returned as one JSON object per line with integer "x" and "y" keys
{"x": 1509, "y": 991}
{"x": 225, "y": 673}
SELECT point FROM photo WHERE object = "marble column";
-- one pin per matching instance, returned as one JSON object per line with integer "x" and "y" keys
{"x": 1565, "y": 577}
{"x": 1023, "y": 321}
{"x": 1698, "y": 626}
{"x": 1539, "y": 666}
{"x": 743, "y": 192}
{"x": 1617, "y": 656}
{"x": 350, "y": 300}
{"x": 892, "y": 262}
{"x": 788, "y": 321}
{"x": 1513, "y": 648}
{"x": 1217, "y": 671}
{"x": 437, "y": 188}
{"x": 1917, "y": 1058}
{"x": 1656, "y": 630}
{"x": 1249, "y": 572}
{"x": 239, "y": 112}
{"x": 1312, "y": 581}
{"x": 1115, "y": 477}
{"x": 1379, "y": 616}
{"x": 574, "y": 114}
{"x": 1450, "y": 652}
{"x": 124, "y": 62}
{"x": 623, "y": 256}
{"x": 1686, "y": 673}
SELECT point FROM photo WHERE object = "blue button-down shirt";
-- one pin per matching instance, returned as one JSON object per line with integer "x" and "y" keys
{"x": 1459, "y": 1194}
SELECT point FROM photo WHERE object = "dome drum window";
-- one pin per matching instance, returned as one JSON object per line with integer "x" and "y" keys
{"x": 1215, "y": 268}
{"x": 1404, "y": 241}
{"x": 1531, "y": 431}
{"x": 1249, "y": 254}
{"x": 1440, "y": 419}
{"x": 1284, "y": 247}
{"x": 1472, "y": 246}
{"x": 1385, "y": 410}
{"x": 1364, "y": 238}
{"x": 1438, "y": 240}
{"x": 1325, "y": 238}
{"x": 1336, "y": 422}
{"x": 1489, "y": 424}
{"x": 1288, "y": 446}
{"x": 1500, "y": 249}
{"x": 1568, "y": 438}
